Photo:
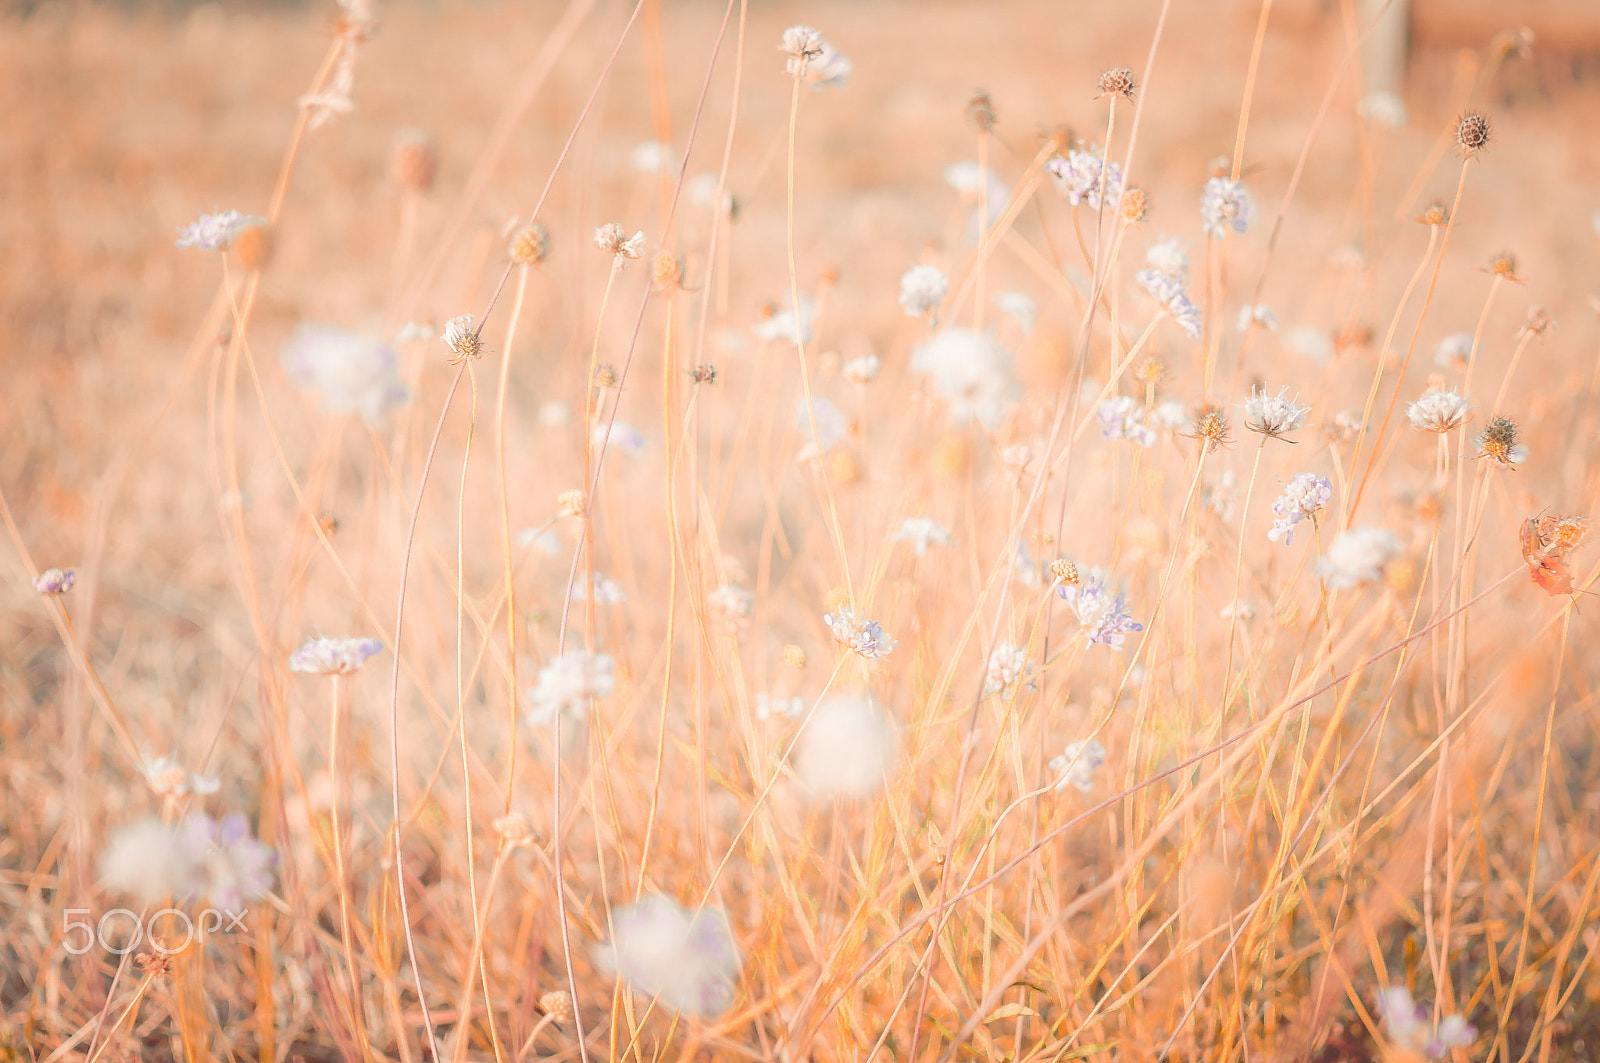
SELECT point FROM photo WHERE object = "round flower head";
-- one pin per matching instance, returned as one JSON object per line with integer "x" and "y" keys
{"x": 1358, "y": 556}
{"x": 570, "y": 683}
{"x": 1498, "y": 443}
{"x": 1440, "y": 410}
{"x": 1274, "y": 415}
{"x": 216, "y": 232}
{"x": 462, "y": 339}
{"x": 349, "y": 371}
{"x": 1224, "y": 205}
{"x": 846, "y": 749}
{"x": 1472, "y": 134}
{"x": 55, "y": 582}
{"x": 238, "y": 868}
{"x": 1305, "y": 495}
{"x": 1008, "y": 665}
{"x": 922, "y": 533}
{"x": 922, "y": 288}
{"x": 149, "y": 862}
{"x": 1211, "y": 428}
{"x": 614, "y": 240}
{"x": 1123, "y": 418}
{"x": 862, "y": 370}
{"x": 1078, "y": 764}
{"x": 1083, "y": 173}
{"x": 324, "y": 656}
{"x": 1102, "y": 616}
{"x": 1408, "y": 1027}
{"x": 980, "y": 112}
{"x": 801, "y": 44}
{"x": 686, "y": 958}
{"x": 1118, "y": 84}
{"x": 529, "y": 245}
{"x": 865, "y": 637}
{"x": 972, "y": 372}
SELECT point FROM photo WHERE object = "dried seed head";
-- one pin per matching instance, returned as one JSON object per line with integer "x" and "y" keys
{"x": 462, "y": 339}
{"x": 980, "y": 111}
{"x": 666, "y": 270}
{"x": 572, "y": 502}
{"x": 529, "y": 245}
{"x": 614, "y": 240}
{"x": 1505, "y": 265}
{"x": 794, "y": 656}
{"x": 1538, "y": 322}
{"x": 558, "y": 1005}
{"x": 1135, "y": 204}
{"x": 1065, "y": 571}
{"x": 1117, "y": 83}
{"x": 1211, "y": 428}
{"x": 55, "y": 581}
{"x": 513, "y": 828}
{"x": 252, "y": 245}
{"x": 1472, "y": 134}
{"x": 801, "y": 44}
{"x": 704, "y": 374}
{"x": 1434, "y": 213}
{"x": 1498, "y": 442}
{"x": 1151, "y": 371}
{"x": 605, "y": 375}
{"x": 413, "y": 161}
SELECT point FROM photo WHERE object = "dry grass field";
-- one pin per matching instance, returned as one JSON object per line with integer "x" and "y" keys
{"x": 931, "y": 595}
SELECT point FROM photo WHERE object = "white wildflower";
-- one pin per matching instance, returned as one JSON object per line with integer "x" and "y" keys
{"x": 1078, "y": 763}
{"x": 1257, "y": 315}
{"x": 570, "y": 684}
{"x": 1019, "y": 308}
{"x": 846, "y": 749}
{"x": 1453, "y": 351}
{"x": 921, "y": 533}
{"x": 922, "y": 288}
{"x": 1274, "y": 415}
{"x": 865, "y": 637}
{"x": 972, "y": 372}
{"x": 686, "y": 958}
{"x": 863, "y": 369}
{"x": 1124, "y": 418}
{"x": 1007, "y": 666}
{"x": 1304, "y": 496}
{"x": 1439, "y": 410}
{"x": 1358, "y": 556}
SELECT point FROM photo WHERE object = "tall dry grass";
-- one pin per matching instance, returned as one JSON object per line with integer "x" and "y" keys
{"x": 1311, "y": 792}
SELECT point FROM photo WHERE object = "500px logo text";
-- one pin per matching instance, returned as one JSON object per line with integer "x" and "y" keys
{"x": 168, "y": 931}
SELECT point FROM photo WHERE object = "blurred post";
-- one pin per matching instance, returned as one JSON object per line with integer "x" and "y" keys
{"x": 1383, "y": 61}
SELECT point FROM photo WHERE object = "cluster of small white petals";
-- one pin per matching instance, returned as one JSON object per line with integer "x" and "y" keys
{"x": 606, "y": 591}
{"x": 1274, "y": 415}
{"x": 168, "y": 780}
{"x": 325, "y": 656}
{"x": 614, "y": 240}
{"x": 1453, "y": 351}
{"x": 787, "y": 325}
{"x": 1171, "y": 292}
{"x": 1358, "y": 556}
{"x": 569, "y": 684}
{"x": 1409, "y": 1025}
{"x": 1007, "y": 666}
{"x": 1078, "y": 764}
{"x": 921, "y": 533}
{"x": 352, "y": 373}
{"x": 216, "y": 232}
{"x": 1079, "y": 175}
{"x": 847, "y": 748}
{"x": 832, "y": 426}
{"x": 687, "y": 959}
{"x": 1224, "y": 205}
{"x": 1305, "y": 495}
{"x": 1257, "y": 315}
{"x": 153, "y": 861}
{"x": 972, "y": 372}
{"x": 864, "y": 637}
{"x": 922, "y": 289}
{"x": 1439, "y": 410}
{"x": 55, "y": 582}
{"x": 1102, "y": 616}
{"x": 1124, "y": 418}
{"x": 862, "y": 370}
{"x": 801, "y": 44}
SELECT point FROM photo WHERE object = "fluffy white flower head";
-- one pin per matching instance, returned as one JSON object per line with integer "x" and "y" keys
{"x": 1078, "y": 764}
{"x": 686, "y": 958}
{"x": 921, "y": 533}
{"x": 1274, "y": 415}
{"x": 972, "y": 372}
{"x": 846, "y": 749}
{"x": 1439, "y": 411}
{"x": 571, "y": 683}
{"x": 922, "y": 288}
{"x": 1358, "y": 556}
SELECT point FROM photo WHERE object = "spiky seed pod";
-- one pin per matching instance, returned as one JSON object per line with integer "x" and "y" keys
{"x": 1211, "y": 428}
{"x": 1505, "y": 265}
{"x": 980, "y": 111}
{"x": 704, "y": 374}
{"x": 1135, "y": 204}
{"x": 1499, "y": 441}
{"x": 413, "y": 160}
{"x": 1472, "y": 134}
{"x": 1117, "y": 84}
{"x": 1434, "y": 214}
{"x": 1151, "y": 371}
{"x": 529, "y": 245}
